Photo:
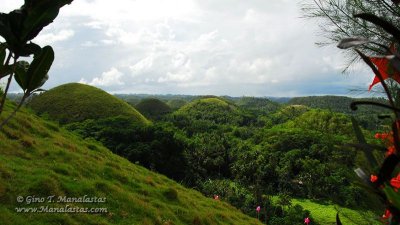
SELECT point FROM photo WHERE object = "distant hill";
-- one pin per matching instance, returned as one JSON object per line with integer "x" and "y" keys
{"x": 211, "y": 109}
{"x": 367, "y": 115}
{"x": 153, "y": 108}
{"x": 40, "y": 159}
{"x": 289, "y": 112}
{"x": 335, "y": 103}
{"x": 280, "y": 99}
{"x": 176, "y": 103}
{"x": 263, "y": 106}
{"x": 76, "y": 102}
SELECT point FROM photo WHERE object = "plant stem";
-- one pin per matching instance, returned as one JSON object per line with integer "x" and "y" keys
{"x": 354, "y": 104}
{"x": 3, "y": 100}
{"x": 7, "y": 61}
{"x": 14, "y": 112}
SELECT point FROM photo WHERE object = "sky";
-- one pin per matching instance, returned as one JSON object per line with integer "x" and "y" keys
{"x": 196, "y": 47}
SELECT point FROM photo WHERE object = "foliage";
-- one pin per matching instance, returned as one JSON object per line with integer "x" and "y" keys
{"x": 301, "y": 155}
{"x": 287, "y": 113}
{"x": 323, "y": 122}
{"x": 18, "y": 28}
{"x": 295, "y": 214}
{"x": 210, "y": 109}
{"x": 325, "y": 213}
{"x": 377, "y": 19}
{"x": 154, "y": 147}
{"x": 230, "y": 191}
{"x": 367, "y": 116}
{"x": 40, "y": 158}
{"x": 337, "y": 21}
{"x": 76, "y": 102}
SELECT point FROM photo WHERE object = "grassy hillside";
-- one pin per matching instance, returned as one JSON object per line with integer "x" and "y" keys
{"x": 326, "y": 214}
{"x": 77, "y": 102}
{"x": 37, "y": 158}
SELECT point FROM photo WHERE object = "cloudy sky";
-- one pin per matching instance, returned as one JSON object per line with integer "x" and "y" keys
{"x": 219, "y": 47}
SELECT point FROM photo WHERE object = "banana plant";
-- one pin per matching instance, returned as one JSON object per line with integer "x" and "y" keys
{"x": 18, "y": 28}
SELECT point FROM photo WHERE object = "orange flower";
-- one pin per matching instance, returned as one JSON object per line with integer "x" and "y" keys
{"x": 374, "y": 178}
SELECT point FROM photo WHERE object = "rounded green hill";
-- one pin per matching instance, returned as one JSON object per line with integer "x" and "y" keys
{"x": 175, "y": 104}
{"x": 76, "y": 102}
{"x": 152, "y": 107}
{"x": 211, "y": 109}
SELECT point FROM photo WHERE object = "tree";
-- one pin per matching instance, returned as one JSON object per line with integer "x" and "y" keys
{"x": 337, "y": 21}
{"x": 284, "y": 200}
{"x": 18, "y": 28}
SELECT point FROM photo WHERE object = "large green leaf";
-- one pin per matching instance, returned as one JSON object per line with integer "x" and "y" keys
{"x": 6, "y": 70}
{"x": 37, "y": 72}
{"x": 20, "y": 74}
{"x": 6, "y": 30}
{"x": 22, "y": 25}
{"x": 367, "y": 149}
{"x": 392, "y": 195}
{"x": 38, "y": 15}
{"x": 29, "y": 49}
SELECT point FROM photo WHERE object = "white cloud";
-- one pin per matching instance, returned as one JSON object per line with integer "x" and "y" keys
{"x": 230, "y": 47}
{"x": 51, "y": 38}
{"x": 109, "y": 78}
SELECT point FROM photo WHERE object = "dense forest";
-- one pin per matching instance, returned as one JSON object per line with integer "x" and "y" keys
{"x": 247, "y": 151}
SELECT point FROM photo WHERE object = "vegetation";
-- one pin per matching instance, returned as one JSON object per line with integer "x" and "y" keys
{"x": 366, "y": 115}
{"x": 337, "y": 21}
{"x": 273, "y": 162}
{"x": 78, "y": 102}
{"x": 243, "y": 155}
{"x": 370, "y": 28}
{"x": 38, "y": 158}
{"x": 18, "y": 28}
{"x": 325, "y": 213}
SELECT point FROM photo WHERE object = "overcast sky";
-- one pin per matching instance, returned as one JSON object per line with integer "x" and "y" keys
{"x": 219, "y": 47}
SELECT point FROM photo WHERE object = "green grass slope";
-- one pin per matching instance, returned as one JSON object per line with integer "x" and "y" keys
{"x": 211, "y": 109}
{"x": 326, "y": 214}
{"x": 40, "y": 159}
{"x": 76, "y": 102}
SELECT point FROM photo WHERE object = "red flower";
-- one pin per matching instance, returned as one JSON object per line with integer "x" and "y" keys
{"x": 391, "y": 150}
{"x": 385, "y": 69}
{"x": 395, "y": 182}
{"x": 374, "y": 178}
{"x": 387, "y": 214}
